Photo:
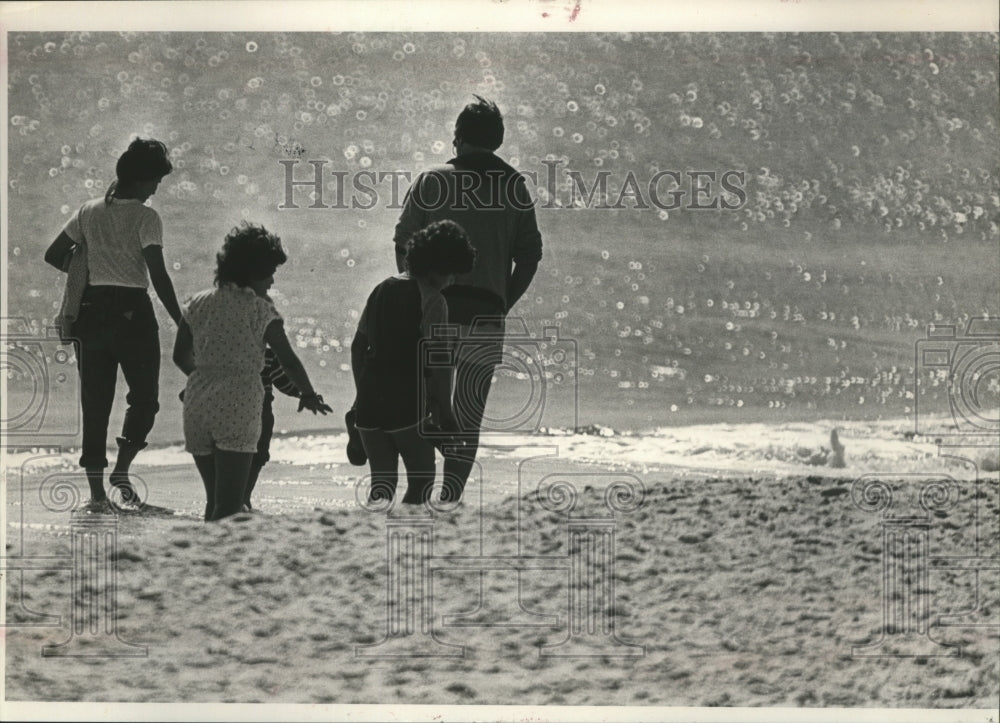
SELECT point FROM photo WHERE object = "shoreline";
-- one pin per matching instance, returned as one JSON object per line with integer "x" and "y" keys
{"x": 885, "y": 447}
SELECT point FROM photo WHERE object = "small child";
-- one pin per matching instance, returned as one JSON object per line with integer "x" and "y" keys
{"x": 220, "y": 347}
{"x": 272, "y": 377}
{"x": 385, "y": 357}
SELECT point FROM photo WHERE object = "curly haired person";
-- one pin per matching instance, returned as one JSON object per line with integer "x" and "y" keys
{"x": 385, "y": 357}
{"x": 220, "y": 346}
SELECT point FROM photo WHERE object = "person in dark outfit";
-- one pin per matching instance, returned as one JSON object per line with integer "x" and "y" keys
{"x": 490, "y": 201}
{"x": 386, "y": 361}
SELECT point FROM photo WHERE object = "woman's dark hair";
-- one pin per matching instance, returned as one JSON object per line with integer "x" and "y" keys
{"x": 441, "y": 248}
{"x": 145, "y": 160}
{"x": 249, "y": 253}
{"x": 480, "y": 124}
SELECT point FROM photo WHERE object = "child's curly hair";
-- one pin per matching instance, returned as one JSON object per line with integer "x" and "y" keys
{"x": 249, "y": 253}
{"x": 442, "y": 248}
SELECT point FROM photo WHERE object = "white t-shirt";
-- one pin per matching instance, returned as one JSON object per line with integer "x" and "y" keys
{"x": 115, "y": 235}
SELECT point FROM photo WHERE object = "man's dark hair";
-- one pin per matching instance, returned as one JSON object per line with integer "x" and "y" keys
{"x": 480, "y": 124}
{"x": 441, "y": 248}
{"x": 249, "y": 253}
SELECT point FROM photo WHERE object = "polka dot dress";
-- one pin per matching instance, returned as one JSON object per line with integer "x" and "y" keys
{"x": 224, "y": 394}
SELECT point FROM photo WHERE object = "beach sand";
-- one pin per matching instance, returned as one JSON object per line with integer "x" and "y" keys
{"x": 727, "y": 591}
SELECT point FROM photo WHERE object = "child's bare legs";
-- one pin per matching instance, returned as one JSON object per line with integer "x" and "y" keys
{"x": 263, "y": 448}
{"x": 206, "y": 468}
{"x": 384, "y": 450}
{"x": 225, "y": 477}
{"x": 254, "y": 473}
{"x": 232, "y": 469}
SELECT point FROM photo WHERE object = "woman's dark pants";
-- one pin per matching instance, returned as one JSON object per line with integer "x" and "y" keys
{"x": 116, "y": 328}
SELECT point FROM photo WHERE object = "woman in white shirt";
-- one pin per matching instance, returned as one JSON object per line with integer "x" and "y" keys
{"x": 116, "y": 326}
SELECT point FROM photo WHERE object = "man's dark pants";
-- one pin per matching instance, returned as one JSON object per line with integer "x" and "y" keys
{"x": 476, "y": 364}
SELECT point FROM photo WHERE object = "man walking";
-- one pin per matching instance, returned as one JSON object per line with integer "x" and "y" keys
{"x": 489, "y": 199}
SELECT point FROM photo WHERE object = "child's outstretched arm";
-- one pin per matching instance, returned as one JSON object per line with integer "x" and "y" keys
{"x": 161, "y": 281}
{"x": 276, "y": 376}
{"x": 184, "y": 349}
{"x": 276, "y": 338}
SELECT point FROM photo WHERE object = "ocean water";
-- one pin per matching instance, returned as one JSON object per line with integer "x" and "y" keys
{"x": 887, "y": 448}
{"x": 869, "y": 226}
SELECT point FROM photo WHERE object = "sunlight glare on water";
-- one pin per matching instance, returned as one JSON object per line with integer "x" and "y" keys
{"x": 797, "y": 326}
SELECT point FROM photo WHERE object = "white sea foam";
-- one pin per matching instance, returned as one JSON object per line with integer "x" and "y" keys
{"x": 885, "y": 447}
